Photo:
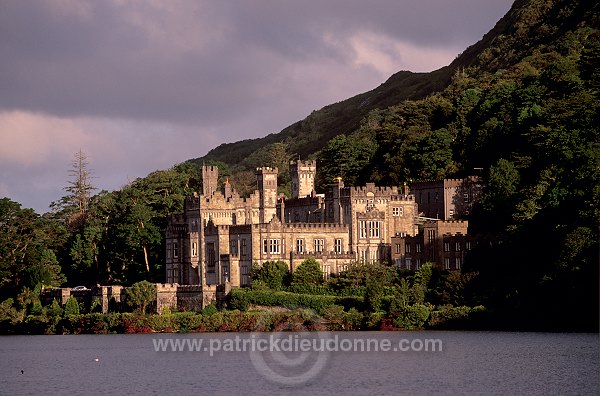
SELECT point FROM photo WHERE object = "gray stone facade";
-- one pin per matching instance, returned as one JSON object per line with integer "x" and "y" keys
{"x": 445, "y": 244}
{"x": 448, "y": 199}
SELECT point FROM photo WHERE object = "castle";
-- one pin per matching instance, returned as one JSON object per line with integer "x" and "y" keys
{"x": 220, "y": 235}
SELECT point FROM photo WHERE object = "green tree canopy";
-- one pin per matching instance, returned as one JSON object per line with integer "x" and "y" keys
{"x": 71, "y": 307}
{"x": 27, "y": 245}
{"x": 308, "y": 273}
{"x": 141, "y": 294}
{"x": 271, "y": 274}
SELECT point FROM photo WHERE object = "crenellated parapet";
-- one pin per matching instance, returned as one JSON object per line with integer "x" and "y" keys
{"x": 316, "y": 227}
{"x": 176, "y": 226}
{"x": 266, "y": 169}
{"x": 166, "y": 287}
{"x": 213, "y": 229}
{"x": 369, "y": 188}
{"x": 402, "y": 198}
{"x": 447, "y": 227}
{"x": 192, "y": 203}
{"x": 300, "y": 227}
{"x": 299, "y": 164}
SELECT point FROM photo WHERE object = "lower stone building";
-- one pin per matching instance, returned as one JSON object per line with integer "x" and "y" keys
{"x": 231, "y": 250}
{"x": 448, "y": 199}
{"x": 445, "y": 244}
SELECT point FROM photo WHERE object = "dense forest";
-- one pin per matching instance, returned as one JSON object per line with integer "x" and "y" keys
{"x": 521, "y": 104}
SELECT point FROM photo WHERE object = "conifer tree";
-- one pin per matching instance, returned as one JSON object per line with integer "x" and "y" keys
{"x": 80, "y": 186}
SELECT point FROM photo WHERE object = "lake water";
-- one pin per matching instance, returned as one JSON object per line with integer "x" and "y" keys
{"x": 302, "y": 364}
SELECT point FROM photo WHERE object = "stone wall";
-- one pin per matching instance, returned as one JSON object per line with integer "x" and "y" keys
{"x": 171, "y": 295}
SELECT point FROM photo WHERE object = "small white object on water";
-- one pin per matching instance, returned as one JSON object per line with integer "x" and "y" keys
{"x": 95, "y": 360}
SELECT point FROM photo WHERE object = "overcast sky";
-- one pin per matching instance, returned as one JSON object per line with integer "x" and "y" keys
{"x": 143, "y": 85}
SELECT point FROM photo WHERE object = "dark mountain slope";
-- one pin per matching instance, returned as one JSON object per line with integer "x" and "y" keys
{"x": 527, "y": 26}
{"x": 308, "y": 136}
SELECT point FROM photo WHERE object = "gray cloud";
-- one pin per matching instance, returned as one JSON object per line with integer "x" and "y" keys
{"x": 204, "y": 71}
{"x": 195, "y": 61}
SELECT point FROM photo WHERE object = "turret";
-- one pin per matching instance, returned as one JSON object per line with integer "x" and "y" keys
{"x": 303, "y": 177}
{"x": 266, "y": 180}
{"x": 210, "y": 175}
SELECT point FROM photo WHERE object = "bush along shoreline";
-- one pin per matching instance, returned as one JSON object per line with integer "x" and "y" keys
{"x": 365, "y": 297}
{"x": 259, "y": 319}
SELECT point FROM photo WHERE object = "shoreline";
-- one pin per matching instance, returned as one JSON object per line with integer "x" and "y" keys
{"x": 235, "y": 321}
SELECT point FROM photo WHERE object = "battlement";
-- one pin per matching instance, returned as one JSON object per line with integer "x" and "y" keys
{"x": 192, "y": 202}
{"x": 304, "y": 201}
{"x": 166, "y": 287}
{"x": 370, "y": 187}
{"x": 402, "y": 198}
{"x": 448, "y": 227}
{"x": 453, "y": 183}
{"x": 177, "y": 288}
{"x": 220, "y": 228}
{"x": 304, "y": 227}
{"x": 301, "y": 164}
{"x": 317, "y": 226}
{"x": 446, "y": 183}
{"x": 189, "y": 288}
{"x": 212, "y": 228}
{"x": 266, "y": 169}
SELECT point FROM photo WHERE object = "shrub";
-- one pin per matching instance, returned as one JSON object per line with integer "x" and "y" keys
{"x": 113, "y": 305}
{"x": 186, "y": 322}
{"x": 337, "y": 319}
{"x": 373, "y": 294}
{"x": 141, "y": 294}
{"x": 213, "y": 322}
{"x": 334, "y": 315}
{"x": 303, "y": 288}
{"x": 71, "y": 307}
{"x": 55, "y": 310}
{"x": 351, "y": 302}
{"x": 34, "y": 325}
{"x": 241, "y": 298}
{"x": 209, "y": 310}
{"x": 272, "y": 274}
{"x": 412, "y": 316}
{"x": 36, "y": 308}
{"x": 96, "y": 306}
{"x": 308, "y": 273}
{"x": 238, "y": 299}
{"x": 239, "y": 321}
{"x": 448, "y": 316}
{"x": 373, "y": 320}
{"x": 162, "y": 323}
{"x": 354, "y": 319}
{"x": 134, "y": 323}
{"x": 264, "y": 321}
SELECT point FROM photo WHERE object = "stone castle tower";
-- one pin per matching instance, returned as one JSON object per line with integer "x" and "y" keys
{"x": 266, "y": 178}
{"x": 303, "y": 177}
{"x": 210, "y": 177}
